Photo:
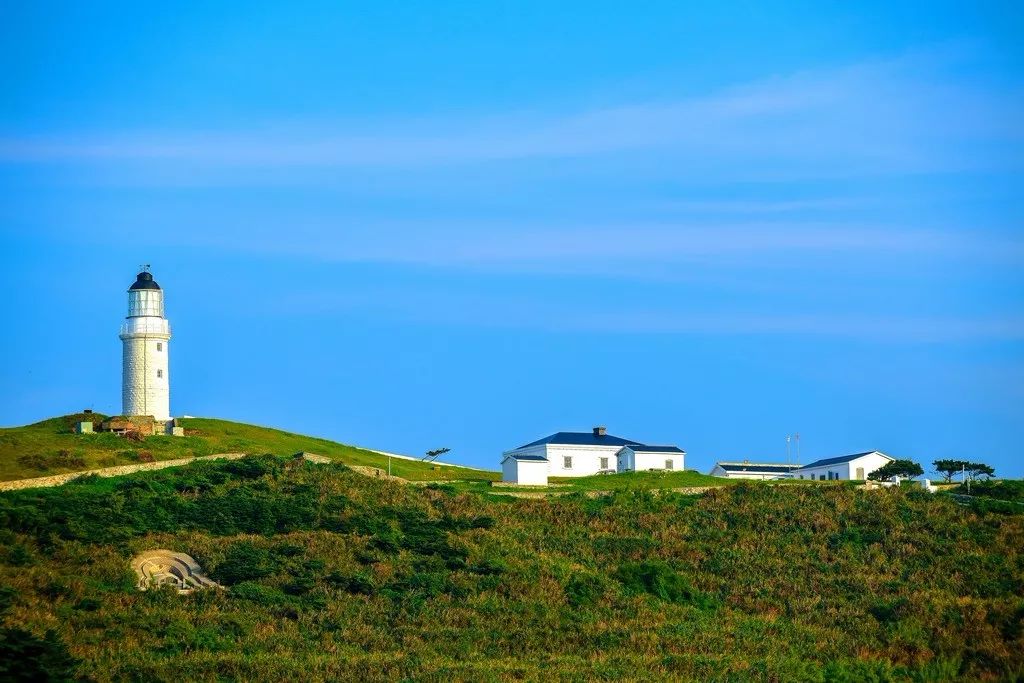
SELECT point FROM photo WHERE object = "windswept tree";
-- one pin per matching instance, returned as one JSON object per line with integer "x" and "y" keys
{"x": 432, "y": 455}
{"x": 904, "y": 469}
{"x": 979, "y": 469}
{"x": 948, "y": 468}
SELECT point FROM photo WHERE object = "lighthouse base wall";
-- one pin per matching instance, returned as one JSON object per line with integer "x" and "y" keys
{"x": 145, "y": 387}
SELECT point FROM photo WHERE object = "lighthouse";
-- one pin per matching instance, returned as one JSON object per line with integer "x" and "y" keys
{"x": 145, "y": 383}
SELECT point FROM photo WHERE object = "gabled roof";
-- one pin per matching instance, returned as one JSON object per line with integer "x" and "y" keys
{"x": 767, "y": 467}
{"x": 842, "y": 459}
{"x": 639, "y": 448}
{"x": 582, "y": 439}
{"x": 525, "y": 456}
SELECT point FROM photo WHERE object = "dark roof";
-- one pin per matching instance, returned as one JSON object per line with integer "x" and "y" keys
{"x": 516, "y": 456}
{"x": 144, "y": 280}
{"x": 756, "y": 467}
{"x": 639, "y": 448}
{"x": 841, "y": 459}
{"x": 583, "y": 439}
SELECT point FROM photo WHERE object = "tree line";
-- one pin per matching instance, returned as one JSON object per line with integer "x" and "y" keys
{"x": 908, "y": 469}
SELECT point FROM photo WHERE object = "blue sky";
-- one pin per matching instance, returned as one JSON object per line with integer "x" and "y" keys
{"x": 415, "y": 225}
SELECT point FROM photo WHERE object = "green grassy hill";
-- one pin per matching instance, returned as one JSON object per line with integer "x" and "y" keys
{"x": 330, "y": 575}
{"x": 52, "y": 447}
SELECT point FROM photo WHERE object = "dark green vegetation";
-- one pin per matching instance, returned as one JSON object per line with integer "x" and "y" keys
{"x": 332, "y": 575}
{"x": 949, "y": 468}
{"x": 599, "y": 483}
{"x": 1003, "y": 489}
{"x": 52, "y": 447}
{"x": 1004, "y": 496}
{"x": 904, "y": 469}
{"x": 641, "y": 480}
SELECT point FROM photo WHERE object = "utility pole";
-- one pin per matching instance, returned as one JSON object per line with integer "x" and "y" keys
{"x": 789, "y": 460}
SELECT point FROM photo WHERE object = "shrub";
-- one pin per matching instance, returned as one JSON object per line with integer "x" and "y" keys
{"x": 24, "y": 657}
{"x": 656, "y": 578}
{"x": 34, "y": 462}
{"x": 583, "y": 590}
{"x": 889, "y": 611}
{"x": 258, "y": 593}
{"x": 244, "y": 562}
{"x": 18, "y": 556}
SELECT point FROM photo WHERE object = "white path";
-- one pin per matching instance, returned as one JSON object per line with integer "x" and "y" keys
{"x": 58, "y": 479}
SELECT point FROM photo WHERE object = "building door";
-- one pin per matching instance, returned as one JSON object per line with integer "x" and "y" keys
{"x": 860, "y": 472}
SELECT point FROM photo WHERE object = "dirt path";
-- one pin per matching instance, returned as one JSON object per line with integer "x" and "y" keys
{"x": 59, "y": 479}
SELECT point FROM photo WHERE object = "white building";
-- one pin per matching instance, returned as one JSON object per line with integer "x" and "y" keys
{"x": 636, "y": 458}
{"x": 752, "y": 470}
{"x": 525, "y": 469}
{"x": 581, "y": 454}
{"x": 854, "y": 466}
{"x": 145, "y": 380}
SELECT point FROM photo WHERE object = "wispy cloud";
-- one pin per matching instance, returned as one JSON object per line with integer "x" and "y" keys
{"x": 622, "y": 250}
{"x": 520, "y": 312}
{"x": 909, "y": 113}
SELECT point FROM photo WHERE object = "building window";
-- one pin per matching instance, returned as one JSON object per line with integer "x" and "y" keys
{"x": 159, "y": 373}
{"x": 567, "y": 462}
{"x": 159, "y": 346}
{"x": 668, "y": 464}
{"x": 604, "y": 463}
{"x": 801, "y": 476}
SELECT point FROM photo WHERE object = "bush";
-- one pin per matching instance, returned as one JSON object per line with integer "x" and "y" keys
{"x": 34, "y": 462}
{"x": 656, "y": 578}
{"x": 244, "y": 562}
{"x": 24, "y": 657}
{"x": 258, "y": 593}
{"x": 358, "y": 584}
{"x": 1005, "y": 489}
{"x": 584, "y": 590}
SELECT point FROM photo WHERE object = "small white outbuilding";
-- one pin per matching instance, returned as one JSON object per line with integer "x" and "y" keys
{"x": 637, "y": 458}
{"x": 525, "y": 469}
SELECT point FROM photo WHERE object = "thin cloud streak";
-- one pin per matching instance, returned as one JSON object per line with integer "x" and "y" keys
{"x": 523, "y": 313}
{"x": 887, "y": 116}
{"x": 596, "y": 249}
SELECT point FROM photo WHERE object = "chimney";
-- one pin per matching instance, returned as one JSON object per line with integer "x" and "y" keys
{"x": 600, "y": 431}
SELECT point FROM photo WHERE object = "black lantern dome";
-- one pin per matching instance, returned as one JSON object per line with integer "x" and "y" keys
{"x": 144, "y": 280}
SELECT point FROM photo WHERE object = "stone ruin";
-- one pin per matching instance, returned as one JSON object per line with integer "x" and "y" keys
{"x": 167, "y": 568}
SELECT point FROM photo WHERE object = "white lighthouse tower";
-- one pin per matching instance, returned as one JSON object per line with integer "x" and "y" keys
{"x": 145, "y": 383}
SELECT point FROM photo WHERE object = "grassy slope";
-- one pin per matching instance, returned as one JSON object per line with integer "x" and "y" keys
{"x": 51, "y": 447}
{"x": 334, "y": 576}
{"x": 640, "y": 480}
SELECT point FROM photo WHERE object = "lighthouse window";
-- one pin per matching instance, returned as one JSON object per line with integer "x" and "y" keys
{"x": 159, "y": 373}
{"x": 159, "y": 346}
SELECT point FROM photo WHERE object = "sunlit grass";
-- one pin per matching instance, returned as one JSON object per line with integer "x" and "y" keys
{"x": 52, "y": 447}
